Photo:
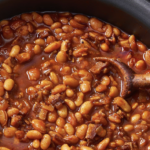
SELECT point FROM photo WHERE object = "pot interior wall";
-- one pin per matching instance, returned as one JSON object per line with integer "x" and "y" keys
{"x": 98, "y": 8}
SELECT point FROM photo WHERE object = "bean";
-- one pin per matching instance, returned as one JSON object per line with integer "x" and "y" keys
{"x": 12, "y": 111}
{"x": 72, "y": 119}
{"x": 85, "y": 87}
{"x": 61, "y": 131}
{"x": 52, "y": 116}
{"x": 27, "y": 17}
{"x": 71, "y": 139}
{"x": 78, "y": 32}
{"x": 79, "y": 117}
{"x": 140, "y": 65}
{"x": 54, "y": 78}
{"x": 63, "y": 20}
{"x": 122, "y": 103}
{"x": 30, "y": 27}
{"x": 141, "y": 127}
{"x": 109, "y": 31}
{"x": 4, "y": 23}
{"x": 36, "y": 144}
{"x": 47, "y": 107}
{"x": 2, "y": 88}
{"x": 80, "y": 52}
{"x": 9, "y": 132}
{"x": 47, "y": 84}
{"x": 105, "y": 80}
{"x": 141, "y": 46}
{"x": 61, "y": 57}
{"x": 7, "y": 68}
{"x": 103, "y": 144}
{"x": 83, "y": 143}
{"x": 128, "y": 127}
{"x": 134, "y": 137}
{"x": 52, "y": 46}
{"x": 14, "y": 51}
{"x": 96, "y": 24}
{"x": 81, "y": 131}
{"x": 37, "y": 49}
{"x": 33, "y": 74}
{"x": 64, "y": 45}
{"x": 86, "y": 107}
{"x": 38, "y": 125}
{"x": 105, "y": 47}
{"x": 47, "y": 19}
{"x": 62, "y": 112}
{"x": 45, "y": 141}
{"x": 116, "y": 31}
{"x": 23, "y": 31}
{"x": 67, "y": 28}
{"x": 65, "y": 147}
{"x": 9, "y": 84}
{"x": 75, "y": 24}
{"x": 58, "y": 89}
{"x": 146, "y": 116}
{"x": 19, "y": 134}
{"x": 132, "y": 42}
{"x": 34, "y": 134}
{"x": 58, "y": 31}
{"x": 43, "y": 114}
{"x": 50, "y": 39}
{"x": 135, "y": 118}
{"x": 142, "y": 142}
{"x": 100, "y": 131}
{"x": 23, "y": 57}
{"x": 85, "y": 75}
{"x": 70, "y": 81}
{"x": 134, "y": 105}
{"x": 56, "y": 25}
{"x": 3, "y": 118}
{"x": 60, "y": 122}
{"x": 119, "y": 142}
{"x": 85, "y": 148}
{"x": 7, "y": 32}
{"x": 101, "y": 88}
{"x": 40, "y": 42}
{"x": 113, "y": 91}
{"x": 38, "y": 18}
{"x": 125, "y": 43}
{"x": 114, "y": 118}
{"x": 147, "y": 56}
{"x": 66, "y": 70}
{"x": 81, "y": 19}
{"x": 69, "y": 92}
{"x": 70, "y": 104}
{"x": 69, "y": 129}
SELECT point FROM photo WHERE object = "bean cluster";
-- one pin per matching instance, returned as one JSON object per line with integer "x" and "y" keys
{"x": 55, "y": 95}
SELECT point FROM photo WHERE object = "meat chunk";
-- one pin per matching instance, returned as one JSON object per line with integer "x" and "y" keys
{"x": 98, "y": 67}
{"x": 127, "y": 146}
{"x": 56, "y": 100}
{"x": 91, "y": 131}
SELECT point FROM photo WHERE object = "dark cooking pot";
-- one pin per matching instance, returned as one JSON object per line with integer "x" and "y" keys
{"x": 132, "y": 16}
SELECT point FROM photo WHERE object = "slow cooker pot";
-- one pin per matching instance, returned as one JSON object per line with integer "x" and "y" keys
{"x": 130, "y": 16}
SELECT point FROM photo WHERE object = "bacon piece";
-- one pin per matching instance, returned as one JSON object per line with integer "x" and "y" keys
{"x": 97, "y": 68}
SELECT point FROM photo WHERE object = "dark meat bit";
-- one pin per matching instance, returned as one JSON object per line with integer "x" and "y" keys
{"x": 91, "y": 131}
{"x": 127, "y": 146}
{"x": 56, "y": 100}
{"x": 59, "y": 140}
{"x": 96, "y": 69}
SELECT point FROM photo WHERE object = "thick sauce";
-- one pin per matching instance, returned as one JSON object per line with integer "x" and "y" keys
{"x": 54, "y": 95}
